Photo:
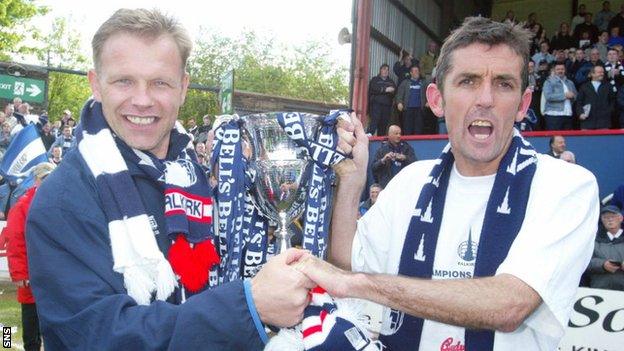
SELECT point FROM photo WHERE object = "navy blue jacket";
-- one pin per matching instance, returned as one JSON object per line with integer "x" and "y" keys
{"x": 82, "y": 302}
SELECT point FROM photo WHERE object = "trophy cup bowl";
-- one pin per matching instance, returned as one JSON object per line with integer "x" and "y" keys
{"x": 279, "y": 191}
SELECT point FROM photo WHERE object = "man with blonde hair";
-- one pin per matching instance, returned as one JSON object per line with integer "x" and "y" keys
{"x": 120, "y": 237}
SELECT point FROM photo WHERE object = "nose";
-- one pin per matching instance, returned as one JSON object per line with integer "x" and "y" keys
{"x": 141, "y": 96}
{"x": 485, "y": 97}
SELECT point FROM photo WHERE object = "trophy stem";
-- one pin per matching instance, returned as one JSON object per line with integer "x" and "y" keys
{"x": 282, "y": 235}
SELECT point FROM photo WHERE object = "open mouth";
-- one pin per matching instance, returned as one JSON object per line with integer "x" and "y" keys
{"x": 140, "y": 120}
{"x": 480, "y": 129}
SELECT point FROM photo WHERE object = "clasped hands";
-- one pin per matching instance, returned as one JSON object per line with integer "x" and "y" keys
{"x": 281, "y": 288}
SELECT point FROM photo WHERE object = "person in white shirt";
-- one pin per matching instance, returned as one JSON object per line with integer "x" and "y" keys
{"x": 483, "y": 248}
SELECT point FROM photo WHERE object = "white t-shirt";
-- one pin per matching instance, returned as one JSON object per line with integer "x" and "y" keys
{"x": 549, "y": 254}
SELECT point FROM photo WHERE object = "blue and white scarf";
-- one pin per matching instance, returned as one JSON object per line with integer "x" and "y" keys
{"x": 321, "y": 148}
{"x": 504, "y": 216}
{"x": 135, "y": 252}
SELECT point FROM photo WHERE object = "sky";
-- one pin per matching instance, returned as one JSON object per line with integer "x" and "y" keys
{"x": 288, "y": 21}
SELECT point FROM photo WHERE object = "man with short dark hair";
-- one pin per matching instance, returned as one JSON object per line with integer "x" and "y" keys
{"x": 559, "y": 93}
{"x": 411, "y": 100}
{"x": 373, "y": 192}
{"x": 606, "y": 268}
{"x": 455, "y": 248}
{"x": 381, "y": 90}
{"x": 604, "y": 16}
{"x": 557, "y": 146}
{"x": 595, "y": 101}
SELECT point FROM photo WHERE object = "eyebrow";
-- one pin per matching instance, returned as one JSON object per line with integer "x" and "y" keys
{"x": 505, "y": 77}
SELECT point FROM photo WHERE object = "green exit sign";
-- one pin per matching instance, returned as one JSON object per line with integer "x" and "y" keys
{"x": 32, "y": 90}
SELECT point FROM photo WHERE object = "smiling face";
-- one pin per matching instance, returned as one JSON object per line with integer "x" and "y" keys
{"x": 482, "y": 99}
{"x": 141, "y": 85}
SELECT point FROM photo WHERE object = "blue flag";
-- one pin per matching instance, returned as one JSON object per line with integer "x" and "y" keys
{"x": 25, "y": 151}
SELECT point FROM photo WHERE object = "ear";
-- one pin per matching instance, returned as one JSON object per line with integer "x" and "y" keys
{"x": 524, "y": 104}
{"x": 93, "y": 82}
{"x": 185, "y": 84}
{"x": 435, "y": 100}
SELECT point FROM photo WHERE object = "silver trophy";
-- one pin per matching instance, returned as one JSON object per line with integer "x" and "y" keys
{"x": 279, "y": 192}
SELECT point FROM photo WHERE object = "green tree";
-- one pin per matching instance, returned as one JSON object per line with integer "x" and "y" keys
{"x": 262, "y": 66}
{"x": 15, "y": 27}
{"x": 61, "y": 48}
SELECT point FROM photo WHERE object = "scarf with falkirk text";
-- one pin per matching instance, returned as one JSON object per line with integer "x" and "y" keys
{"x": 503, "y": 219}
{"x": 135, "y": 252}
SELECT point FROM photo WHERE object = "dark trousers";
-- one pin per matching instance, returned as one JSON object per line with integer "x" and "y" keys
{"x": 379, "y": 117}
{"x": 558, "y": 122}
{"x": 30, "y": 327}
{"x": 413, "y": 121}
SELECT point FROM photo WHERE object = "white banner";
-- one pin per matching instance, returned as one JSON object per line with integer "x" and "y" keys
{"x": 596, "y": 323}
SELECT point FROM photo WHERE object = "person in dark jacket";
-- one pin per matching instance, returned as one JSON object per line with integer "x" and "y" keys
{"x": 597, "y": 98}
{"x": 392, "y": 156}
{"x": 606, "y": 269}
{"x": 401, "y": 68}
{"x": 411, "y": 100}
{"x": 563, "y": 39}
{"x": 18, "y": 259}
{"x": 104, "y": 228}
{"x": 373, "y": 192}
{"x": 381, "y": 91}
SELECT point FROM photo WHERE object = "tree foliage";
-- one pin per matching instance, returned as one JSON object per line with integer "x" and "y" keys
{"x": 15, "y": 28}
{"x": 262, "y": 66}
{"x": 61, "y": 49}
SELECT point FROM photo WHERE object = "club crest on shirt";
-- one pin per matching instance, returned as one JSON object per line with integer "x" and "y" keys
{"x": 450, "y": 345}
{"x": 467, "y": 250}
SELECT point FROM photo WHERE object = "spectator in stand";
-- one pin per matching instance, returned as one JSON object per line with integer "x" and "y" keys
{"x": 66, "y": 140}
{"x": 56, "y": 128}
{"x": 594, "y": 58}
{"x": 617, "y": 20}
{"x": 536, "y": 88}
{"x": 560, "y": 57}
{"x": 5, "y": 137}
{"x": 604, "y": 16}
{"x": 588, "y": 27}
{"x": 531, "y": 20}
{"x": 373, "y": 192}
{"x": 71, "y": 122}
{"x": 557, "y": 146}
{"x": 580, "y": 16}
{"x": 18, "y": 260}
{"x": 47, "y": 137}
{"x": 605, "y": 268}
{"x": 510, "y": 16}
{"x": 401, "y": 68}
{"x": 559, "y": 93}
{"x": 381, "y": 91}
{"x": 202, "y": 131}
{"x": 428, "y": 60}
{"x": 563, "y": 39}
{"x": 543, "y": 54}
{"x": 602, "y": 45}
{"x": 619, "y": 100}
{"x": 597, "y": 98}
{"x": 618, "y": 197}
{"x": 392, "y": 156}
{"x": 411, "y": 100}
{"x": 568, "y": 156}
{"x": 574, "y": 66}
{"x": 66, "y": 116}
{"x": 614, "y": 70}
{"x": 57, "y": 155}
{"x": 191, "y": 127}
{"x": 615, "y": 38}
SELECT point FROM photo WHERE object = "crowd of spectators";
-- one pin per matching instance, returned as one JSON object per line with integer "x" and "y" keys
{"x": 563, "y": 76}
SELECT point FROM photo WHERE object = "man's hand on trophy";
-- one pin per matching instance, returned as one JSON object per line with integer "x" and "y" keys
{"x": 280, "y": 291}
{"x": 354, "y": 141}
